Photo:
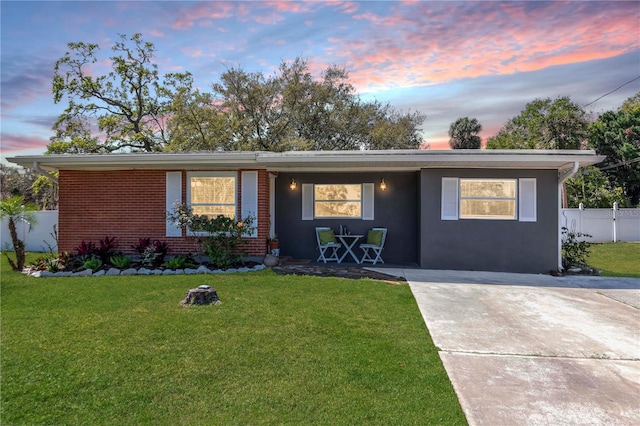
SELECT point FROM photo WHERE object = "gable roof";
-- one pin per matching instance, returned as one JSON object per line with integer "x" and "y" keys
{"x": 387, "y": 160}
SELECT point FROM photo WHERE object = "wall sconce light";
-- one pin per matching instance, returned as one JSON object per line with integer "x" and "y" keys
{"x": 383, "y": 185}
{"x": 293, "y": 185}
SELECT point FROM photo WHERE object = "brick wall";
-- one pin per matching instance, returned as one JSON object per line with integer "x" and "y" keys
{"x": 129, "y": 205}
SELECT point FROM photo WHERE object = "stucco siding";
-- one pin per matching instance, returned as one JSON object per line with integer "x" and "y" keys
{"x": 396, "y": 208}
{"x": 489, "y": 245}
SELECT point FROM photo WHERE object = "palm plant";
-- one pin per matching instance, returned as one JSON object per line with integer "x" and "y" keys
{"x": 16, "y": 210}
{"x": 464, "y": 134}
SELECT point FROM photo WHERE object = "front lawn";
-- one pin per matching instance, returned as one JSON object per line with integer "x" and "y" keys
{"x": 278, "y": 350}
{"x": 616, "y": 259}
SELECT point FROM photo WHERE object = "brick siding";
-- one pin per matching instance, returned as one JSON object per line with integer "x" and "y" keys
{"x": 129, "y": 205}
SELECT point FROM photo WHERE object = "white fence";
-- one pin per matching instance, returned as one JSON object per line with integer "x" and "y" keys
{"x": 604, "y": 225}
{"x": 35, "y": 236}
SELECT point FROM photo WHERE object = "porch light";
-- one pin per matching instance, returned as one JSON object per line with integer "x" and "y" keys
{"x": 383, "y": 185}
{"x": 293, "y": 185}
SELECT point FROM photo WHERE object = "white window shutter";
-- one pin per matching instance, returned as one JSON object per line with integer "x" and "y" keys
{"x": 449, "y": 207}
{"x": 307, "y": 201}
{"x": 368, "y": 190}
{"x": 173, "y": 197}
{"x": 527, "y": 205}
{"x": 250, "y": 199}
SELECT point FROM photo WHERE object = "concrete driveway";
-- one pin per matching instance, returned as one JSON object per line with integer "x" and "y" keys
{"x": 535, "y": 350}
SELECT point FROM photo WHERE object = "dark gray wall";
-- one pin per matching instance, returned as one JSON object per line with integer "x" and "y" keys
{"x": 396, "y": 209}
{"x": 489, "y": 245}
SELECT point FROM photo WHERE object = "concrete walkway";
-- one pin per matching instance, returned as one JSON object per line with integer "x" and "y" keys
{"x": 534, "y": 349}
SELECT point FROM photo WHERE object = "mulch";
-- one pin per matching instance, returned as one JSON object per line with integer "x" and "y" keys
{"x": 351, "y": 272}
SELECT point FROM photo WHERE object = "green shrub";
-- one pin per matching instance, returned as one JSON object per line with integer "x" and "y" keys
{"x": 222, "y": 234}
{"x": 92, "y": 263}
{"x": 120, "y": 260}
{"x": 574, "y": 250}
{"x": 179, "y": 262}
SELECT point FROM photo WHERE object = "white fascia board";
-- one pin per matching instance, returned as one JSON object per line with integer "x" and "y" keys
{"x": 382, "y": 160}
{"x": 200, "y": 160}
{"x": 417, "y": 159}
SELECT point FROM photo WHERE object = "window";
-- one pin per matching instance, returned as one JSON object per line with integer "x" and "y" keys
{"x": 335, "y": 201}
{"x": 212, "y": 194}
{"x": 488, "y": 199}
{"x": 496, "y": 199}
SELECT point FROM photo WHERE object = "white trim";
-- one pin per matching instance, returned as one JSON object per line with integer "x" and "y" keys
{"x": 318, "y": 160}
{"x": 307, "y": 201}
{"x": 527, "y": 199}
{"x": 211, "y": 174}
{"x": 272, "y": 204}
{"x": 449, "y": 199}
{"x": 249, "y": 196}
{"x": 368, "y": 195}
{"x": 513, "y": 199}
{"x": 173, "y": 195}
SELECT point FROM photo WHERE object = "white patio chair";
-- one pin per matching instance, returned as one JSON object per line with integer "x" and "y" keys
{"x": 328, "y": 249}
{"x": 373, "y": 251}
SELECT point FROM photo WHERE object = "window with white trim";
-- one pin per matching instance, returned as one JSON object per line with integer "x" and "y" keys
{"x": 337, "y": 201}
{"x": 491, "y": 199}
{"x": 488, "y": 199}
{"x": 212, "y": 193}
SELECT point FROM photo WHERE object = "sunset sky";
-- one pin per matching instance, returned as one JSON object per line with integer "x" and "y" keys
{"x": 481, "y": 59}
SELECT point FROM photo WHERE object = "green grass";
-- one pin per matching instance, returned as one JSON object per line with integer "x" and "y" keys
{"x": 616, "y": 259}
{"x": 278, "y": 350}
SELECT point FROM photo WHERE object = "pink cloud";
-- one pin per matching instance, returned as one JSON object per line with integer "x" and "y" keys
{"x": 203, "y": 13}
{"x": 157, "y": 33}
{"x": 288, "y": 6}
{"x": 268, "y": 18}
{"x": 197, "y": 52}
{"x": 348, "y": 7}
{"x": 432, "y": 43}
{"x": 265, "y": 12}
{"x": 15, "y": 142}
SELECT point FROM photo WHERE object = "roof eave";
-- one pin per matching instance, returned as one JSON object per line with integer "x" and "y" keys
{"x": 388, "y": 160}
{"x": 138, "y": 161}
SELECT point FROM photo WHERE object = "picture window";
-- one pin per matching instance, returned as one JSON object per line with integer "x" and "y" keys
{"x": 488, "y": 199}
{"x": 337, "y": 201}
{"x": 212, "y": 195}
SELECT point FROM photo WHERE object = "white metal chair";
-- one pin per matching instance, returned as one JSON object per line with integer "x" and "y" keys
{"x": 328, "y": 249}
{"x": 373, "y": 252}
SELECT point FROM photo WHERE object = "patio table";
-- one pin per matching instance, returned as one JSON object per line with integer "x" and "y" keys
{"x": 349, "y": 240}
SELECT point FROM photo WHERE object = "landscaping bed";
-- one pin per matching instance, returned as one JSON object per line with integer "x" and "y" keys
{"x": 113, "y": 271}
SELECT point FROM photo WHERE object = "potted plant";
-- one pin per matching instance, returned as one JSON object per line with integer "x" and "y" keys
{"x": 273, "y": 242}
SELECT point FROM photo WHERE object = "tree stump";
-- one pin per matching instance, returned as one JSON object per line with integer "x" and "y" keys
{"x": 203, "y": 295}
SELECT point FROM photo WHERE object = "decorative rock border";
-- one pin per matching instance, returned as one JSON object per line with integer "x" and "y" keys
{"x": 112, "y": 272}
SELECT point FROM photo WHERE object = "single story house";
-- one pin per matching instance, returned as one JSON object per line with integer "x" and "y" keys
{"x": 494, "y": 210}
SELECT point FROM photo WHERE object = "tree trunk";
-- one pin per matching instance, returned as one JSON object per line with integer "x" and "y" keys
{"x": 18, "y": 247}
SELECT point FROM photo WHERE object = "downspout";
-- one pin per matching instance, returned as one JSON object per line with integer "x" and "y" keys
{"x": 40, "y": 171}
{"x": 561, "y": 181}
